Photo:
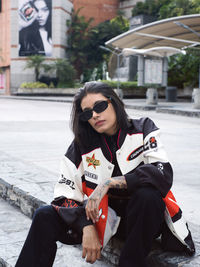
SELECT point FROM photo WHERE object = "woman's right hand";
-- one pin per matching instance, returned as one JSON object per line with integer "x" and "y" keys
{"x": 91, "y": 244}
{"x": 23, "y": 23}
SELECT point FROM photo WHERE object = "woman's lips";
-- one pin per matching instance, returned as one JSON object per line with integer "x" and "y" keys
{"x": 99, "y": 123}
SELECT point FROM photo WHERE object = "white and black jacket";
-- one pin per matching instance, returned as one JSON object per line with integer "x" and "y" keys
{"x": 140, "y": 157}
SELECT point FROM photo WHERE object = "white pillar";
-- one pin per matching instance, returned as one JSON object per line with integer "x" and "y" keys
{"x": 152, "y": 96}
{"x": 165, "y": 72}
{"x": 196, "y": 98}
{"x": 140, "y": 70}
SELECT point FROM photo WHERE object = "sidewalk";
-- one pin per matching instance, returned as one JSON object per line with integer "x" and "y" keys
{"x": 34, "y": 136}
{"x": 183, "y": 108}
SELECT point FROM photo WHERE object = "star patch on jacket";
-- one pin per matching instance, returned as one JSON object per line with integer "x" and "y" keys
{"x": 92, "y": 161}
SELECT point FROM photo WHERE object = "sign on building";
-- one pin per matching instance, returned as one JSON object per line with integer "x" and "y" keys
{"x": 153, "y": 71}
{"x": 2, "y": 81}
{"x": 35, "y": 34}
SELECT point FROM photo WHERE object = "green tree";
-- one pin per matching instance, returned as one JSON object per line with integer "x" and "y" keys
{"x": 65, "y": 72}
{"x": 176, "y": 8}
{"x": 78, "y": 37}
{"x": 84, "y": 41}
{"x": 35, "y": 62}
{"x": 184, "y": 69}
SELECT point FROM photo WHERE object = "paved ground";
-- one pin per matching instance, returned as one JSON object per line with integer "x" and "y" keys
{"x": 35, "y": 134}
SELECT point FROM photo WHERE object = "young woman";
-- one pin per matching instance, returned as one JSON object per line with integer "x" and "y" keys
{"x": 122, "y": 168}
{"x": 35, "y": 28}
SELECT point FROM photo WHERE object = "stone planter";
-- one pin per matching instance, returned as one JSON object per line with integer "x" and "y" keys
{"x": 152, "y": 96}
{"x": 196, "y": 98}
{"x": 46, "y": 91}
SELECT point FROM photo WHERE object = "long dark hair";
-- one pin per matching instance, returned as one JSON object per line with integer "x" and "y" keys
{"x": 47, "y": 26}
{"x": 83, "y": 130}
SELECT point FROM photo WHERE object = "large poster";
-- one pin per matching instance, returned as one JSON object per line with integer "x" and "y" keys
{"x": 153, "y": 71}
{"x": 35, "y": 35}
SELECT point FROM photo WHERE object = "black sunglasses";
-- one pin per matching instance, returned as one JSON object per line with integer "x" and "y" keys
{"x": 98, "y": 108}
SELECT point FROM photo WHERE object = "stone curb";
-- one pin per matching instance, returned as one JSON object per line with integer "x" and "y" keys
{"x": 18, "y": 198}
{"x": 157, "y": 258}
{"x": 188, "y": 113}
{"x": 175, "y": 111}
{"x": 3, "y": 263}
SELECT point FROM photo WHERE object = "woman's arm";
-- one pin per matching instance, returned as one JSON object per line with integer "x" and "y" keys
{"x": 92, "y": 207}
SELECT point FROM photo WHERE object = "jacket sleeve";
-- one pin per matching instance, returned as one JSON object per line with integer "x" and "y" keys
{"x": 156, "y": 170}
{"x": 68, "y": 191}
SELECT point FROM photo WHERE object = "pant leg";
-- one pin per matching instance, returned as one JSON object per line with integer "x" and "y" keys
{"x": 40, "y": 247}
{"x": 145, "y": 215}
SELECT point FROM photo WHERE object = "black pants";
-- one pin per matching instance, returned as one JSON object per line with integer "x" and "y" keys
{"x": 145, "y": 215}
{"x": 40, "y": 247}
{"x": 144, "y": 220}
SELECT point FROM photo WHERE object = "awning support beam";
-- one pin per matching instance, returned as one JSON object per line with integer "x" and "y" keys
{"x": 166, "y": 38}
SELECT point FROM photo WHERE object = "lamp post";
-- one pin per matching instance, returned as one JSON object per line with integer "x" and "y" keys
{"x": 119, "y": 91}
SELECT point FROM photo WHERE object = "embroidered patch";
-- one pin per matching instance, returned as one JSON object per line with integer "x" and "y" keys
{"x": 91, "y": 175}
{"x": 92, "y": 161}
{"x": 152, "y": 143}
{"x": 66, "y": 181}
{"x": 135, "y": 153}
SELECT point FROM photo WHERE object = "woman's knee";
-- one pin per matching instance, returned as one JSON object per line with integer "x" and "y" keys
{"x": 43, "y": 214}
{"x": 148, "y": 197}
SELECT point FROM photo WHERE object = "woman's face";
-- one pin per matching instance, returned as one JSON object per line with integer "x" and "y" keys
{"x": 104, "y": 122}
{"x": 43, "y": 12}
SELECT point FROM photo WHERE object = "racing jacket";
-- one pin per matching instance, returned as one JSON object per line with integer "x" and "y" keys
{"x": 140, "y": 157}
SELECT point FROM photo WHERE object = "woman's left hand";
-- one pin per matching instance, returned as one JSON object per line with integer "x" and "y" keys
{"x": 92, "y": 206}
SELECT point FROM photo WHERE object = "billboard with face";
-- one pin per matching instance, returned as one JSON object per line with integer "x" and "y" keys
{"x": 35, "y": 37}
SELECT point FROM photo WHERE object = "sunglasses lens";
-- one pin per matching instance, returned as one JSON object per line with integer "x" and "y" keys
{"x": 86, "y": 115}
{"x": 100, "y": 107}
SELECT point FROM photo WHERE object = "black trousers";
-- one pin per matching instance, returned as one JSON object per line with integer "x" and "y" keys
{"x": 40, "y": 247}
{"x": 144, "y": 219}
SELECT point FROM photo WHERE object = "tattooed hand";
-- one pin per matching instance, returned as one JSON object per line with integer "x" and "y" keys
{"x": 92, "y": 206}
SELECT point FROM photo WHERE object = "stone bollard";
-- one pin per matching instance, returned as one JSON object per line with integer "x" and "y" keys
{"x": 152, "y": 96}
{"x": 196, "y": 98}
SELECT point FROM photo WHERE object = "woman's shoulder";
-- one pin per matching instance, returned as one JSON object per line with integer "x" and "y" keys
{"x": 143, "y": 124}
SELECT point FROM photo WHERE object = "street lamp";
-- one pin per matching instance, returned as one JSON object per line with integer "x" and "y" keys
{"x": 119, "y": 91}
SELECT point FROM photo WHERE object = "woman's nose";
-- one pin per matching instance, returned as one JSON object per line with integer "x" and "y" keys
{"x": 95, "y": 114}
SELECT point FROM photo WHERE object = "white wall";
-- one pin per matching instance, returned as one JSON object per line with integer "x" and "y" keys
{"x": 61, "y": 10}
{"x": 127, "y": 6}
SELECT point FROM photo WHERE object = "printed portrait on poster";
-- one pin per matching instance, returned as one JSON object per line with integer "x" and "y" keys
{"x": 35, "y": 36}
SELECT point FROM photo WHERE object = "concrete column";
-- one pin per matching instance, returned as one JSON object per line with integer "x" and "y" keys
{"x": 165, "y": 72}
{"x": 152, "y": 96}
{"x": 140, "y": 70}
{"x": 196, "y": 98}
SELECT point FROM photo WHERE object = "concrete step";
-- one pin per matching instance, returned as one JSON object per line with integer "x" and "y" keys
{"x": 19, "y": 224}
{"x": 14, "y": 227}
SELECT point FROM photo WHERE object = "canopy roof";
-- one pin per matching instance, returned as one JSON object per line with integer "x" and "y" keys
{"x": 168, "y": 32}
{"x": 160, "y": 51}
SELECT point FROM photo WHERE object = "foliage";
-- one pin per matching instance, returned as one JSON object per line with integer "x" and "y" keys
{"x": 35, "y": 62}
{"x": 61, "y": 67}
{"x": 33, "y": 85}
{"x": 184, "y": 69}
{"x": 123, "y": 85}
{"x": 161, "y": 9}
{"x": 78, "y": 38}
{"x": 64, "y": 71}
{"x": 84, "y": 41}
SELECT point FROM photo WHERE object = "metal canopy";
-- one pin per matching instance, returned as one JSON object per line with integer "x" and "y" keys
{"x": 160, "y": 51}
{"x": 167, "y": 32}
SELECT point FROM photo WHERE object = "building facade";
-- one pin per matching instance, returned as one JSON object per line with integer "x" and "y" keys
{"x": 12, "y": 57}
{"x": 21, "y": 35}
